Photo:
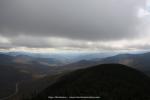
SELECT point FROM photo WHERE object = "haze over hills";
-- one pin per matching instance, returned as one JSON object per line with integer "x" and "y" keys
{"x": 28, "y": 64}
{"x": 107, "y": 81}
{"x": 64, "y": 57}
{"x": 138, "y": 61}
{"x": 30, "y": 68}
{"x": 35, "y": 57}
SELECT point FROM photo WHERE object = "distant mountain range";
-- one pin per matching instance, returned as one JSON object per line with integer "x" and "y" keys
{"x": 43, "y": 65}
{"x": 107, "y": 81}
{"x": 30, "y": 64}
{"x": 65, "y": 58}
{"x": 138, "y": 61}
{"x": 16, "y": 67}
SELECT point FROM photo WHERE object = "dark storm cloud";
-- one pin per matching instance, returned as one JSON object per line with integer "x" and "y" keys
{"x": 75, "y": 19}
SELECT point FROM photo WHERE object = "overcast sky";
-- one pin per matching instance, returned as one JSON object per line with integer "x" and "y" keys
{"x": 74, "y": 24}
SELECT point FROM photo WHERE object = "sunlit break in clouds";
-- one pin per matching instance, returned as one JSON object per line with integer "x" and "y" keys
{"x": 74, "y": 25}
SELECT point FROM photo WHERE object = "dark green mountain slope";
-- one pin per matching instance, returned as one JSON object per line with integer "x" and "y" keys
{"x": 109, "y": 81}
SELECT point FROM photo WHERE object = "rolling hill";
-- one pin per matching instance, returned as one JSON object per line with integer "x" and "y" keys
{"x": 108, "y": 81}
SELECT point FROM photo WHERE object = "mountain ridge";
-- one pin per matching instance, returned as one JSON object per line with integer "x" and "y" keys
{"x": 109, "y": 81}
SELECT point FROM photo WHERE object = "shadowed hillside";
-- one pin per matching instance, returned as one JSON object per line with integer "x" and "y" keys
{"x": 9, "y": 77}
{"x": 109, "y": 81}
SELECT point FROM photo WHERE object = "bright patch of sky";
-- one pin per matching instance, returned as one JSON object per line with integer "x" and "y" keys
{"x": 144, "y": 11}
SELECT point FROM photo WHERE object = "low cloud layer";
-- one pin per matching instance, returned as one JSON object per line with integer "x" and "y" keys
{"x": 87, "y": 24}
{"x": 29, "y": 43}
